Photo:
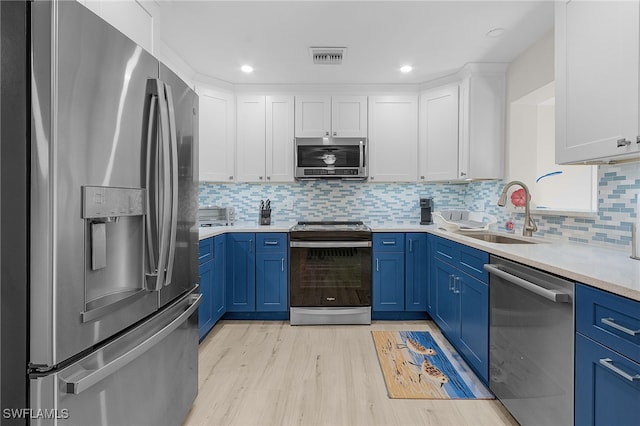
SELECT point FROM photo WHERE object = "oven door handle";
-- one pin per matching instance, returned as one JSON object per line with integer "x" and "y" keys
{"x": 553, "y": 295}
{"x": 329, "y": 244}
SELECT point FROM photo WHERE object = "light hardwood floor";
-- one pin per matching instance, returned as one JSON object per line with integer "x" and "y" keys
{"x": 270, "y": 373}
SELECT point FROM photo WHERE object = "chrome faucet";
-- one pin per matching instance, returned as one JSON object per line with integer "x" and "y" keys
{"x": 529, "y": 224}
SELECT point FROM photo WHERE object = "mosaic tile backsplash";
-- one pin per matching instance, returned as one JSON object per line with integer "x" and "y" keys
{"x": 378, "y": 203}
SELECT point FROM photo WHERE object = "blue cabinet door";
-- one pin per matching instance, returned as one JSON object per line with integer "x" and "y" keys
{"x": 416, "y": 272}
{"x": 206, "y": 259}
{"x": 205, "y": 310}
{"x": 388, "y": 282}
{"x": 218, "y": 278}
{"x": 271, "y": 282}
{"x": 473, "y": 330}
{"x": 446, "y": 304}
{"x": 241, "y": 272}
{"x": 605, "y": 395}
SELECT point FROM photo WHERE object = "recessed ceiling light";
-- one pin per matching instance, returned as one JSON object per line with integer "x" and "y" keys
{"x": 496, "y": 32}
{"x": 406, "y": 68}
{"x": 247, "y": 69}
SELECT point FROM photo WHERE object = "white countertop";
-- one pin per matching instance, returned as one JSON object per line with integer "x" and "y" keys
{"x": 603, "y": 268}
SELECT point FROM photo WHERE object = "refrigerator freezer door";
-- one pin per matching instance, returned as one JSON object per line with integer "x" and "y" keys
{"x": 184, "y": 270}
{"x": 89, "y": 121}
{"x": 148, "y": 376}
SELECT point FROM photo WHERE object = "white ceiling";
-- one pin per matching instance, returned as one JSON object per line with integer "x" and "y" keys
{"x": 436, "y": 37}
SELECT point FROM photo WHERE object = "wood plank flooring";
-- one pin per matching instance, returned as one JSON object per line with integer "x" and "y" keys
{"x": 272, "y": 373}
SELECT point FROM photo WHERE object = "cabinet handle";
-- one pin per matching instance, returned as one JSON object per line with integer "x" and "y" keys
{"x": 637, "y": 139}
{"x": 377, "y": 265}
{"x": 451, "y": 277}
{"x": 463, "y": 174}
{"x": 268, "y": 177}
{"x": 250, "y": 246}
{"x": 388, "y": 243}
{"x": 260, "y": 177}
{"x": 623, "y": 142}
{"x": 608, "y": 363}
{"x": 421, "y": 177}
{"x": 326, "y": 133}
{"x": 410, "y": 246}
{"x": 271, "y": 243}
{"x": 611, "y": 323}
{"x": 230, "y": 177}
{"x": 335, "y": 133}
{"x": 282, "y": 264}
{"x": 456, "y": 288}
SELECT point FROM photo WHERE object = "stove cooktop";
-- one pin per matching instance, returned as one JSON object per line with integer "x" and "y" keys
{"x": 331, "y": 226}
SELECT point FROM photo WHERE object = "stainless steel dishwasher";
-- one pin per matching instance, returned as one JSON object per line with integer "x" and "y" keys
{"x": 531, "y": 337}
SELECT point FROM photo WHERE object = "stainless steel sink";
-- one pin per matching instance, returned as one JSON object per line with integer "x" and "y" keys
{"x": 492, "y": 237}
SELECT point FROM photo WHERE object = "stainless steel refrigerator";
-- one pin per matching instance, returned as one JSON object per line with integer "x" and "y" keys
{"x": 99, "y": 239}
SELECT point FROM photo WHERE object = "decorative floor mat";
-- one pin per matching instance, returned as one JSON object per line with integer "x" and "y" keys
{"x": 415, "y": 366}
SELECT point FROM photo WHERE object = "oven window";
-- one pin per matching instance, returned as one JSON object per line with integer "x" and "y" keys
{"x": 331, "y": 276}
{"x": 324, "y": 156}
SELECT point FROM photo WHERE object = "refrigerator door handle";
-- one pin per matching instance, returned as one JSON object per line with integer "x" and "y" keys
{"x": 95, "y": 376}
{"x": 159, "y": 160}
{"x": 151, "y": 209}
{"x": 172, "y": 149}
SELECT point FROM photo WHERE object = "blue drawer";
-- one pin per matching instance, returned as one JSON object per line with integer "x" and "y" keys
{"x": 472, "y": 262}
{"x": 609, "y": 319}
{"x": 389, "y": 242}
{"x": 268, "y": 242}
{"x": 205, "y": 251}
{"x": 445, "y": 250}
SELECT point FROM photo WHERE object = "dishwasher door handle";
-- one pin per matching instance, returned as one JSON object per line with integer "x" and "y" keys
{"x": 553, "y": 295}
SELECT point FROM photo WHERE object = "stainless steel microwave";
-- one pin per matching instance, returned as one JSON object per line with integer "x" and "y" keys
{"x": 331, "y": 158}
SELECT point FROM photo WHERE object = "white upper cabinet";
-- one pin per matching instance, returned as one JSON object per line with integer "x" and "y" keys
{"x": 279, "y": 142}
{"x": 265, "y": 138}
{"x": 597, "y": 52}
{"x": 439, "y": 134}
{"x": 393, "y": 138}
{"x": 324, "y": 116}
{"x": 482, "y": 123}
{"x": 349, "y": 116}
{"x": 251, "y": 138}
{"x": 462, "y": 127}
{"x": 216, "y": 124}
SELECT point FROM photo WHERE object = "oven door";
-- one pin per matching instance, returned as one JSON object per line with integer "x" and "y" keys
{"x": 330, "y": 273}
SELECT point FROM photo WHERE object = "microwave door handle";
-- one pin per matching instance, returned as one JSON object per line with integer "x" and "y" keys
{"x": 361, "y": 155}
{"x": 151, "y": 219}
{"x": 172, "y": 149}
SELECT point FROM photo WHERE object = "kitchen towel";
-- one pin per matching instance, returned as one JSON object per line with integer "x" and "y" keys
{"x": 414, "y": 366}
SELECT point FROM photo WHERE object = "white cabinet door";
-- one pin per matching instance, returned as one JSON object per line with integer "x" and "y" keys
{"x": 279, "y": 138}
{"x": 596, "y": 58}
{"x": 482, "y": 122}
{"x": 250, "y": 130}
{"x": 313, "y": 116}
{"x": 216, "y": 137}
{"x": 393, "y": 138}
{"x": 349, "y": 116}
{"x": 439, "y": 134}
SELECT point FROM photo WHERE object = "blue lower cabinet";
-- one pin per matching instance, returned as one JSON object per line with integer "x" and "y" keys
{"x": 205, "y": 270}
{"x": 415, "y": 291}
{"x": 257, "y": 274}
{"x": 388, "y": 272}
{"x": 271, "y": 282}
{"x": 607, "y": 386}
{"x": 241, "y": 272}
{"x": 459, "y": 300}
{"x": 388, "y": 282}
{"x": 218, "y": 293}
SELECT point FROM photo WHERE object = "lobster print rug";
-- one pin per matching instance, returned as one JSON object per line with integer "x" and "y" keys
{"x": 415, "y": 366}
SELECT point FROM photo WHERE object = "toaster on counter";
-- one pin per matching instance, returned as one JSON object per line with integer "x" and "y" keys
{"x": 216, "y": 216}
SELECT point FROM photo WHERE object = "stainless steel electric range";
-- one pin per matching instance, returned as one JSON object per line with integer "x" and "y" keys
{"x": 330, "y": 280}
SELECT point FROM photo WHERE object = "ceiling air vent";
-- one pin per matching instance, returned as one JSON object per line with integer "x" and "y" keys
{"x": 328, "y": 55}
